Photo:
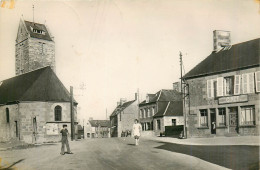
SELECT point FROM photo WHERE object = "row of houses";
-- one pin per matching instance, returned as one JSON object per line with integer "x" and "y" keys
{"x": 159, "y": 110}
{"x": 221, "y": 98}
{"x": 97, "y": 129}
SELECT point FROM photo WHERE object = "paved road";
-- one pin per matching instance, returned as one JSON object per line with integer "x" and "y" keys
{"x": 120, "y": 153}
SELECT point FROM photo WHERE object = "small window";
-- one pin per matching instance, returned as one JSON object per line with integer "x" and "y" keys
{"x": 229, "y": 85}
{"x": 153, "y": 111}
{"x": 141, "y": 113}
{"x": 148, "y": 112}
{"x": 222, "y": 117}
{"x": 58, "y": 112}
{"x": 158, "y": 125}
{"x": 204, "y": 118}
{"x": 248, "y": 115}
{"x": 173, "y": 122}
{"x": 7, "y": 115}
{"x": 144, "y": 113}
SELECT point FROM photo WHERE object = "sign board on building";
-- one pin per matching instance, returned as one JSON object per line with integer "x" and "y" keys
{"x": 233, "y": 99}
{"x": 52, "y": 129}
{"x": 221, "y": 39}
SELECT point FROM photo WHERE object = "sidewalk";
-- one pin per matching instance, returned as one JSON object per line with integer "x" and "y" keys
{"x": 237, "y": 140}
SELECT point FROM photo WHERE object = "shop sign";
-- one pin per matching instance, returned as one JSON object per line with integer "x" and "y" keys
{"x": 233, "y": 99}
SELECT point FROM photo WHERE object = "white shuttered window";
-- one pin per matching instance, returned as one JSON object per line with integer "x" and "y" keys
{"x": 210, "y": 88}
{"x": 248, "y": 85}
{"x": 220, "y": 86}
{"x": 257, "y": 81}
{"x": 237, "y": 84}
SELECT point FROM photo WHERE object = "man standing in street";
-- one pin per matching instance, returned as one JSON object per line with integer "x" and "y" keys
{"x": 64, "y": 140}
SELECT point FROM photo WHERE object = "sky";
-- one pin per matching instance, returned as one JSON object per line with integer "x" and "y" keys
{"x": 114, "y": 47}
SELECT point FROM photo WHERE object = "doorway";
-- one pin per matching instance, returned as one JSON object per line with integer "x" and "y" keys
{"x": 213, "y": 120}
{"x": 233, "y": 120}
{"x": 34, "y": 129}
{"x": 16, "y": 128}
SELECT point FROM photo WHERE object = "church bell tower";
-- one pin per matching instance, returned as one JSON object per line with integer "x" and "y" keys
{"x": 34, "y": 48}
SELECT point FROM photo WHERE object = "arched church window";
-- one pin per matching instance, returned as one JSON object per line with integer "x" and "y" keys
{"x": 7, "y": 115}
{"x": 57, "y": 113}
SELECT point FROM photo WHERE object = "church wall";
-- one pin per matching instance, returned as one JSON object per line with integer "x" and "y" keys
{"x": 22, "y": 57}
{"x": 46, "y": 129}
{"x": 8, "y": 129}
{"x": 41, "y": 53}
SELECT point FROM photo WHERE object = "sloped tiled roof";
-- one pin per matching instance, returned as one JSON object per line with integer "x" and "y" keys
{"x": 239, "y": 56}
{"x": 163, "y": 95}
{"x": 38, "y": 85}
{"x": 37, "y": 26}
{"x": 171, "y": 108}
{"x": 102, "y": 123}
{"x": 121, "y": 107}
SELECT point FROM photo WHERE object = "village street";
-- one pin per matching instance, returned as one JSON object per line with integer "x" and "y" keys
{"x": 121, "y": 153}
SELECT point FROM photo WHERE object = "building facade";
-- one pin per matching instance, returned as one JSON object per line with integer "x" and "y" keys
{"x": 224, "y": 92}
{"x": 34, "y": 106}
{"x": 159, "y": 110}
{"x": 122, "y": 118}
{"x": 98, "y": 129}
{"x": 169, "y": 114}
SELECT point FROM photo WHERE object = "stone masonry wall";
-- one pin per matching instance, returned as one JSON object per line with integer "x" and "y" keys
{"x": 128, "y": 115}
{"x": 41, "y": 54}
{"x": 8, "y": 129}
{"x": 44, "y": 113}
{"x": 199, "y": 100}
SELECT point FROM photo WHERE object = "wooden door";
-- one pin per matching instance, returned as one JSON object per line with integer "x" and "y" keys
{"x": 233, "y": 120}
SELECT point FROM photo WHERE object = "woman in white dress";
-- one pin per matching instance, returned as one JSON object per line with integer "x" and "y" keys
{"x": 137, "y": 128}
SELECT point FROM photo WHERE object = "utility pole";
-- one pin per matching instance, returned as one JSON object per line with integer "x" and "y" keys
{"x": 83, "y": 129}
{"x": 183, "y": 100}
{"x": 33, "y": 13}
{"x": 72, "y": 113}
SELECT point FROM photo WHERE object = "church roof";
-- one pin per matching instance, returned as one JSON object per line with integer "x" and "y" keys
{"x": 30, "y": 26}
{"x": 236, "y": 57}
{"x": 38, "y": 85}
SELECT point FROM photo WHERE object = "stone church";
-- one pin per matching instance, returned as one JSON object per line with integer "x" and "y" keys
{"x": 34, "y": 104}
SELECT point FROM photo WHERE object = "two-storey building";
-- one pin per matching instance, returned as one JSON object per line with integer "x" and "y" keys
{"x": 161, "y": 109}
{"x": 224, "y": 92}
{"x": 122, "y": 118}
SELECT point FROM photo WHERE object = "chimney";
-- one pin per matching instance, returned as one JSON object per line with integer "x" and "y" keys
{"x": 122, "y": 101}
{"x": 147, "y": 98}
{"x": 136, "y": 96}
{"x": 221, "y": 39}
{"x": 90, "y": 118}
{"x": 118, "y": 103}
{"x": 177, "y": 86}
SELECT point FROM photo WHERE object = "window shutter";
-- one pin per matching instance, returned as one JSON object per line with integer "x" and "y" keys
{"x": 257, "y": 81}
{"x": 224, "y": 87}
{"x": 220, "y": 86}
{"x": 237, "y": 84}
{"x": 244, "y": 83}
{"x": 209, "y": 87}
{"x": 251, "y": 83}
